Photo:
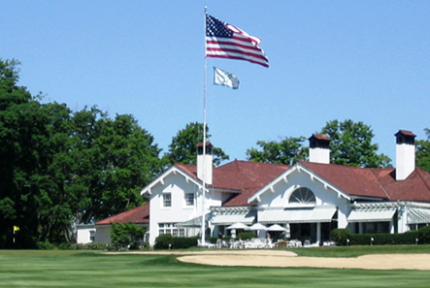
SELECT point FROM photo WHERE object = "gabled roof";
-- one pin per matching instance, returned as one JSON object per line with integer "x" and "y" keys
{"x": 414, "y": 188}
{"x": 138, "y": 215}
{"x": 354, "y": 181}
{"x": 245, "y": 176}
{"x": 248, "y": 178}
{"x": 188, "y": 171}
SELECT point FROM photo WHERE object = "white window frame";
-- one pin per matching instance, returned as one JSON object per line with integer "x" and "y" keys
{"x": 191, "y": 195}
{"x": 305, "y": 197}
{"x": 170, "y": 228}
{"x": 167, "y": 201}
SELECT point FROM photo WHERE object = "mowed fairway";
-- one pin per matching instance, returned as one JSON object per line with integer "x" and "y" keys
{"x": 87, "y": 269}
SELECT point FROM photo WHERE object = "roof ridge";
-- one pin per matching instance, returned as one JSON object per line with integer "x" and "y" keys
{"x": 417, "y": 169}
{"x": 380, "y": 184}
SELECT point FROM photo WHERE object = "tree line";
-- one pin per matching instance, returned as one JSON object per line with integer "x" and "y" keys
{"x": 60, "y": 168}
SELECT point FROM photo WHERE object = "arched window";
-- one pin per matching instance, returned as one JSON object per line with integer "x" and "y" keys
{"x": 303, "y": 195}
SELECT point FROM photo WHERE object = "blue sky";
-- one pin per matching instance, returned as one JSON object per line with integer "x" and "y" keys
{"x": 362, "y": 60}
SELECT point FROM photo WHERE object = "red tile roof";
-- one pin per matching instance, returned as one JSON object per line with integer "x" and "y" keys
{"x": 352, "y": 180}
{"x": 375, "y": 182}
{"x": 138, "y": 215}
{"x": 245, "y": 176}
{"x": 248, "y": 177}
{"x": 415, "y": 188}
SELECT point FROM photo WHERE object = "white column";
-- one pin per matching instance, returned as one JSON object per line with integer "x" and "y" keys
{"x": 319, "y": 233}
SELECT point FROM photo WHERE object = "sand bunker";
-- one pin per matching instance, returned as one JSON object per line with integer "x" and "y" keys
{"x": 280, "y": 258}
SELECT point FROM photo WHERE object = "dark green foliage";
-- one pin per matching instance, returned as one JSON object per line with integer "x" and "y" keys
{"x": 423, "y": 152}
{"x": 351, "y": 144}
{"x": 163, "y": 241}
{"x": 127, "y": 235}
{"x": 340, "y": 236}
{"x": 424, "y": 235}
{"x": 167, "y": 241}
{"x": 421, "y": 236}
{"x": 183, "y": 242}
{"x": 61, "y": 168}
{"x": 183, "y": 148}
{"x": 246, "y": 235}
{"x": 93, "y": 246}
{"x": 288, "y": 151}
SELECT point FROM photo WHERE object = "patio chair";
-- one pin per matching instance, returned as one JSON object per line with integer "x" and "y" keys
{"x": 210, "y": 245}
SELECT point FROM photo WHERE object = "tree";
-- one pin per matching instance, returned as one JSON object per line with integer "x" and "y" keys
{"x": 31, "y": 138}
{"x": 126, "y": 235}
{"x": 423, "y": 152}
{"x": 288, "y": 151}
{"x": 61, "y": 168}
{"x": 183, "y": 148}
{"x": 113, "y": 160}
{"x": 351, "y": 144}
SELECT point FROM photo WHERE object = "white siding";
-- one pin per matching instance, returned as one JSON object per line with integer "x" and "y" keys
{"x": 83, "y": 233}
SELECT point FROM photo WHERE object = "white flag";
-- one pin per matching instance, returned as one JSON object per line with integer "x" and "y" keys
{"x": 225, "y": 79}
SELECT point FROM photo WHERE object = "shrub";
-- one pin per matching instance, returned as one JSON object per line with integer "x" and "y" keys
{"x": 340, "y": 235}
{"x": 423, "y": 234}
{"x": 163, "y": 241}
{"x": 127, "y": 235}
{"x": 46, "y": 246}
{"x": 93, "y": 246}
{"x": 184, "y": 242}
{"x": 246, "y": 235}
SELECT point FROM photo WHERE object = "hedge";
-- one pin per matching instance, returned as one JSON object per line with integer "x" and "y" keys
{"x": 341, "y": 237}
{"x": 167, "y": 241}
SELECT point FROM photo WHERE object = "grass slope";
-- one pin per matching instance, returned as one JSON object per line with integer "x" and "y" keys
{"x": 88, "y": 269}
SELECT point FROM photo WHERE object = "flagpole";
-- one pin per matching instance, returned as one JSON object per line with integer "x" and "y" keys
{"x": 204, "y": 139}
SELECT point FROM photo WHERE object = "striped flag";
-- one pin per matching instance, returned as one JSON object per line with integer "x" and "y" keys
{"x": 227, "y": 41}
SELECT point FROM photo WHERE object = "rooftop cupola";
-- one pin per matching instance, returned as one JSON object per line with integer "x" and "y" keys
{"x": 405, "y": 154}
{"x": 319, "y": 149}
{"x": 205, "y": 162}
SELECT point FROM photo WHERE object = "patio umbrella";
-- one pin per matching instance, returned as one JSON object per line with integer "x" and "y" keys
{"x": 258, "y": 226}
{"x": 238, "y": 225}
{"x": 276, "y": 227}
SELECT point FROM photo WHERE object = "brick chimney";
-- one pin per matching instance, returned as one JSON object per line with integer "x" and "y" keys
{"x": 319, "y": 149}
{"x": 205, "y": 163}
{"x": 405, "y": 154}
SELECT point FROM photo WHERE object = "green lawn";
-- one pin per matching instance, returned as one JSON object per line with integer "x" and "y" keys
{"x": 91, "y": 269}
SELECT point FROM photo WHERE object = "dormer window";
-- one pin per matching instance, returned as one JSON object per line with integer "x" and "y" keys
{"x": 303, "y": 196}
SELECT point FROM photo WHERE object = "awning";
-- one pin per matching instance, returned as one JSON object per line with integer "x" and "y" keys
{"x": 418, "y": 216}
{"x": 371, "y": 215}
{"x": 228, "y": 218}
{"x": 298, "y": 215}
{"x": 193, "y": 223}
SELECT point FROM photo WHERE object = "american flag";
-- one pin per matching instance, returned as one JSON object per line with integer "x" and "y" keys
{"x": 227, "y": 41}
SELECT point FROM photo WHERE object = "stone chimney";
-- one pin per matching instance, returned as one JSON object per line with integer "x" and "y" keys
{"x": 319, "y": 149}
{"x": 205, "y": 163}
{"x": 405, "y": 154}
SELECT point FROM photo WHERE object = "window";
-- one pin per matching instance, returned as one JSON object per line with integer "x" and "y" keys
{"x": 167, "y": 199}
{"x": 170, "y": 228}
{"x": 92, "y": 235}
{"x": 303, "y": 195}
{"x": 189, "y": 199}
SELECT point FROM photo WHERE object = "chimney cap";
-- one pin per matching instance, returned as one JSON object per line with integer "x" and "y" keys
{"x": 208, "y": 144}
{"x": 405, "y": 133}
{"x": 320, "y": 137}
